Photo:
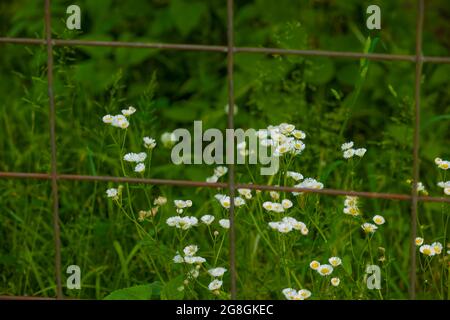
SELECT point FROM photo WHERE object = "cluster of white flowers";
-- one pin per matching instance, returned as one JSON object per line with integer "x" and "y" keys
{"x": 442, "y": 164}
{"x": 183, "y": 223}
{"x": 351, "y": 206}
{"x": 226, "y": 202}
{"x": 138, "y": 158}
{"x": 287, "y": 224}
{"x": 180, "y": 205}
{"x": 149, "y": 143}
{"x": 370, "y": 227}
{"x": 120, "y": 120}
{"x": 246, "y": 193}
{"x": 113, "y": 193}
{"x": 327, "y": 269}
{"x": 277, "y": 207}
{"x": 284, "y": 138}
{"x": 308, "y": 183}
{"x": 445, "y": 185}
{"x": 429, "y": 249}
{"x": 349, "y": 151}
{"x": 294, "y": 175}
{"x": 292, "y": 294}
{"x": 160, "y": 201}
{"x": 189, "y": 256}
{"x": 209, "y": 219}
{"x": 219, "y": 172}
{"x": 216, "y": 284}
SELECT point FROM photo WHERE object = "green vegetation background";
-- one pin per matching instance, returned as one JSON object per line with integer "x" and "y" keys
{"x": 332, "y": 100}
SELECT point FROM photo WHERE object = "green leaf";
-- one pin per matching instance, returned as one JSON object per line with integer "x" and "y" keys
{"x": 140, "y": 292}
{"x": 172, "y": 290}
{"x": 185, "y": 15}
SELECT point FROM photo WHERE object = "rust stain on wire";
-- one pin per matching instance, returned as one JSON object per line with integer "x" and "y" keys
{"x": 54, "y": 174}
{"x": 416, "y": 142}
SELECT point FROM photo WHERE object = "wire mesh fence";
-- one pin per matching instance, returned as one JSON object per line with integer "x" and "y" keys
{"x": 230, "y": 50}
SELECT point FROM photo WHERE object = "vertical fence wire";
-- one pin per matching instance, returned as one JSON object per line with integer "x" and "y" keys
{"x": 54, "y": 174}
{"x": 230, "y": 151}
{"x": 416, "y": 143}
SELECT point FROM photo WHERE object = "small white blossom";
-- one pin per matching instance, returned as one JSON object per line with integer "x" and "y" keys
{"x": 369, "y": 227}
{"x": 140, "y": 167}
{"x": 294, "y": 175}
{"x": 335, "y": 261}
{"x": 215, "y": 285}
{"x": 347, "y": 145}
{"x": 129, "y": 111}
{"x": 135, "y": 157}
{"x": 360, "y": 152}
{"x": 379, "y": 220}
{"x": 190, "y": 250}
{"x": 217, "y": 272}
{"x": 224, "y": 223}
{"x": 335, "y": 282}
{"x": 325, "y": 270}
{"x": 207, "y": 219}
{"x": 149, "y": 143}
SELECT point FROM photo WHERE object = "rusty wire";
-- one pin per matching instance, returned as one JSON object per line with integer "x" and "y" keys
{"x": 230, "y": 50}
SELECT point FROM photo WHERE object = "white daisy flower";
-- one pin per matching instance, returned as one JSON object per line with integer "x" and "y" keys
{"x": 120, "y": 121}
{"x": 335, "y": 282}
{"x": 419, "y": 241}
{"x": 220, "y": 171}
{"x": 224, "y": 223}
{"x": 212, "y": 179}
{"x": 443, "y": 184}
{"x": 247, "y": 193}
{"x": 325, "y": 269}
{"x": 108, "y": 119}
{"x": 315, "y": 265}
{"x": 277, "y": 207}
{"x": 129, "y": 111}
{"x": 112, "y": 193}
{"x": 351, "y": 201}
{"x": 178, "y": 259}
{"x": 286, "y": 203}
{"x": 369, "y": 227}
{"x": 215, "y": 285}
{"x": 444, "y": 165}
{"x": 207, "y": 219}
{"x": 335, "y": 261}
{"x": 447, "y": 191}
{"x": 348, "y": 153}
{"x": 379, "y": 220}
{"x": 427, "y": 250}
{"x": 190, "y": 250}
{"x": 294, "y": 175}
{"x": 268, "y": 205}
{"x": 347, "y": 145}
{"x": 149, "y": 143}
{"x": 238, "y": 201}
{"x": 298, "y": 134}
{"x": 140, "y": 167}
{"x": 160, "y": 201}
{"x": 217, "y": 272}
{"x": 360, "y": 152}
{"x": 437, "y": 247}
{"x": 274, "y": 195}
{"x": 308, "y": 183}
{"x": 353, "y": 211}
{"x": 135, "y": 157}
{"x": 225, "y": 202}
{"x": 194, "y": 260}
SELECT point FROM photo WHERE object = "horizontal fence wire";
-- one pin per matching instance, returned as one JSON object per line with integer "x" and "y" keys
{"x": 225, "y": 49}
{"x": 230, "y": 49}
{"x": 223, "y": 185}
